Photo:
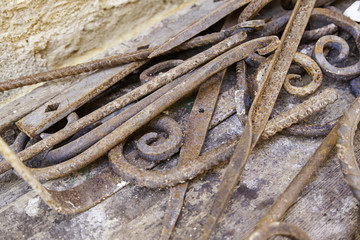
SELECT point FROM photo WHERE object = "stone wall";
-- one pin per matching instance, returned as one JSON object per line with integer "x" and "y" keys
{"x": 36, "y": 35}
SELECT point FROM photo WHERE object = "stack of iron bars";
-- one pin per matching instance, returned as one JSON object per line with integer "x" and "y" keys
{"x": 116, "y": 128}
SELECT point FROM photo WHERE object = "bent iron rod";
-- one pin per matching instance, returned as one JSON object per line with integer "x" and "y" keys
{"x": 137, "y": 93}
{"x": 143, "y": 117}
{"x": 112, "y": 61}
{"x": 260, "y": 109}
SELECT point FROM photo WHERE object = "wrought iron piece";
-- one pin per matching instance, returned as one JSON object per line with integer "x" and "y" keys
{"x": 144, "y": 89}
{"x": 79, "y": 145}
{"x": 173, "y": 176}
{"x": 121, "y": 59}
{"x": 301, "y": 180}
{"x": 194, "y": 139}
{"x": 158, "y": 68}
{"x": 314, "y": 72}
{"x": 339, "y": 20}
{"x": 344, "y": 73}
{"x": 155, "y": 108}
{"x": 299, "y": 112}
{"x": 199, "y": 26}
{"x": 71, "y": 201}
{"x": 242, "y": 97}
{"x": 279, "y": 229}
{"x": 252, "y": 9}
{"x": 57, "y": 108}
{"x": 289, "y": 4}
{"x": 315, "y": 34}
{"x": 260, "y": 109}
{"x": 311, "y": 129}
{"x": 170, "y": 177}
{"x": 168, "y": 147}
{"x": 345, "y": 147}
{"x": 355, "y": 86}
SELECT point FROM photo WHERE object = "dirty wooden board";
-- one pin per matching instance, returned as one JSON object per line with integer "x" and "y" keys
{"x": 135, "y": 211}
{"x": 40, "y": 95}
{"x": 326, "y": 209}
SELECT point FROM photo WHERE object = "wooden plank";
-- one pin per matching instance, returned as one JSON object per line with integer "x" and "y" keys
{"x": 23, "y": 105}
{"x": 326, "y": 209}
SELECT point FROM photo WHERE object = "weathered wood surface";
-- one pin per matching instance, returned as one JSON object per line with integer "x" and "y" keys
{"x": 325, "y": 210}
{"x": 14, "y": 110}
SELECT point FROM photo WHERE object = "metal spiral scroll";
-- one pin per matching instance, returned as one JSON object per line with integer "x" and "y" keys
{"x": 312, "y": 69}
{"x": 343, "y": 73}
{"x": 345, "y": 146}
{"x": 279, "y": 229}
{"x": 165, "y": 149}
{"x": 155, "y": 153}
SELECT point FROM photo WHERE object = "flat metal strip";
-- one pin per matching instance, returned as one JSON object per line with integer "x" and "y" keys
{"x": 260, "y": 110}
{"x": 199, "y": 26}
{"x": 62, "y": 105}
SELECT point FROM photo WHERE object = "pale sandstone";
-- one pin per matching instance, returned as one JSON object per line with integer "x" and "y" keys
{"x": 40, "y": 35}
